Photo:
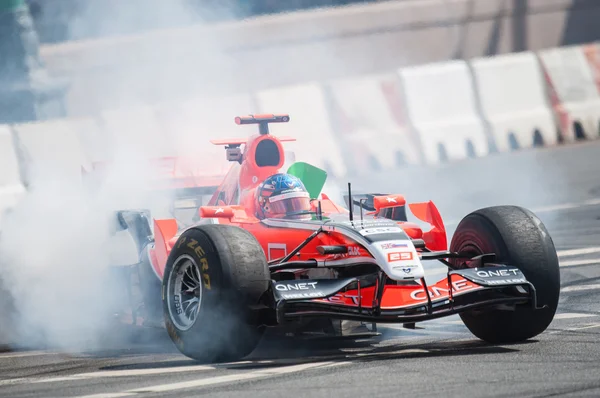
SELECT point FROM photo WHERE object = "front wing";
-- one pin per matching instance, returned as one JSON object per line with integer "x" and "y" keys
{"x": 367, "y": 298}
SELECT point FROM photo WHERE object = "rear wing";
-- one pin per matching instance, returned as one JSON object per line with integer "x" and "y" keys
{"x": 262, "y": 121}
{"x": 263, "y": 128}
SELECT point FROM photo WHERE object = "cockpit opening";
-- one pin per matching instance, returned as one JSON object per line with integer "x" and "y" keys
{"x": 267, "y": 153}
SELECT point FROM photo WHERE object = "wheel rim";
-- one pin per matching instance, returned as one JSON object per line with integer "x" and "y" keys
{"x": 184, "y": 292}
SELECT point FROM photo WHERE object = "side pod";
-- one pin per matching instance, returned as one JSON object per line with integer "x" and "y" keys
{"x": 164, "y": 231}
{"x": 436, "y": 238}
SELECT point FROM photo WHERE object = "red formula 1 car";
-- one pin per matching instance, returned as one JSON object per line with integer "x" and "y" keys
{"x": 271, "y": 250}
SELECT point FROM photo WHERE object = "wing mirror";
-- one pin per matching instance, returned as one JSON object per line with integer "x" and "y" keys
{"x": 385, "y": 202}
{"x": 216, "y": 211}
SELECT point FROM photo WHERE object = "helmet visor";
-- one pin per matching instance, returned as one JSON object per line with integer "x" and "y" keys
{"x": 288, "y": 203}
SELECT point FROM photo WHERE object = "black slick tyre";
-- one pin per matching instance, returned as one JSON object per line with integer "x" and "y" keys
{"x": 520, "y": 239}
{"x": 213, "y": 277}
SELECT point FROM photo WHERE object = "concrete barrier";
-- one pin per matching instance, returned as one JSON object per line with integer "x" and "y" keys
{"x": 369, "y": 118}
{"x": 315, "y": 45}
{"x": 309, "y": 124}
{"x": 50, "y": 148}
{"x": 11, "y": 187}
{"x": 573, "y": 74}
{"x": 442, "y": 108}
{"x": 513, "y": 99}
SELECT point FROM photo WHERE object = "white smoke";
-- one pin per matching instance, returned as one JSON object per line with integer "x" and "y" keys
{"x": 56, "y": 246}
{"x": 56, "y": 250}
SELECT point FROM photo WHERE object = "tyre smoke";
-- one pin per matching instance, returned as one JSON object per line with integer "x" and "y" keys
{"x": 58, "y": 245}
{"x": 57, "y": 249}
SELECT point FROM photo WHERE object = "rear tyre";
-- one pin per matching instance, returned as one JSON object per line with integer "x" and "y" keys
{"x": 213, "y": 276}
{"x": 520, "y": 239}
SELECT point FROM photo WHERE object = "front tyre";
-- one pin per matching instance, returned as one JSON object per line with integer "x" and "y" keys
{"x": 213, "y": 275}
{"x": 520, "y": 239}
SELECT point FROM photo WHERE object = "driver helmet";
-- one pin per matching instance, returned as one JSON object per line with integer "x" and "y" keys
{"x": 283, "y": 196}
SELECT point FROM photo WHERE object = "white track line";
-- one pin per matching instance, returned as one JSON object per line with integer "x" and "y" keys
{"x": 579, "y": 288}
{"x": 28, "y": 354}
{"x": 591, "y": 326}
{"x": 561, "y": 254}
{"x": 110, "y": 373}
{"x": 578, "y": 252}
{"x": 566, "y": 206}
{"x": 575, "y": 263}
{"x": 572, "y": 315}
{"x": 259, "y": 374}
{"x": 550, "y": 208}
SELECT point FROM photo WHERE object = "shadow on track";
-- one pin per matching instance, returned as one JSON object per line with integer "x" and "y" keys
{"x": 286, "y": 351}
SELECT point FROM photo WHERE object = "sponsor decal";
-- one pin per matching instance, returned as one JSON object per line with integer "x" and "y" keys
{"x": 296, "y": 286}
{"x": 437, "y": 292}
{"x": 353, "y": 251}
{"x": 391, "y": 200}
{"x": 177, "y": 301}
{"x": 219, "y": 210}
{"x": 380, "y": 230}
{"x": 505, "y": 281}
{"x": 205, "y": 276}
{"x": 407, "y": 269}
{"x": 199, "y": 251}
{"x": 342, "y": 297}
{"x": 393, "y": 245}
{"x": 369, "y": 223}
{"x": 301, "y": 295}
{"x": 500, "y": 272}
{"x": 174, "y": 335}
{"x": 399, "y": 256}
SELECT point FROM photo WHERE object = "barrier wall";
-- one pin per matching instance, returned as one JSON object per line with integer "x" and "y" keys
{"x": 426, "y": 114}
{"x": 513, "y": 100}
{"x": 309, "y": 124}
{"x": 315, "y": 45}
{"x": 573, "y": 74}
{"x": 442, "y": 107}
{"x": 369, "y": 120}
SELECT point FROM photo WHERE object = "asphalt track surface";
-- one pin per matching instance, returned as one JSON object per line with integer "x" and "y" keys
{"x": 438, "y": 358}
